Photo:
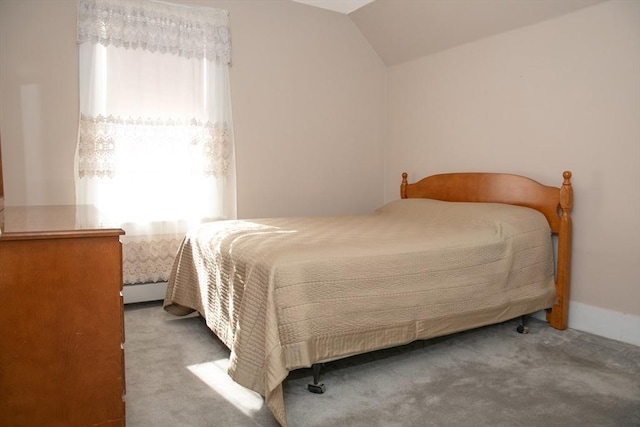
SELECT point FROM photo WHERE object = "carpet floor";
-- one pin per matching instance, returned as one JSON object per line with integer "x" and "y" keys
{"x": 491, "y": 376}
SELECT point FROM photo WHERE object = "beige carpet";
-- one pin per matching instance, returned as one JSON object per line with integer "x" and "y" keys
{"x": 493, "y": 376}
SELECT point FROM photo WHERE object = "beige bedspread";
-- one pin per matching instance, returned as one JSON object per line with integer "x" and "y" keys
{"x": 284, "y": 293}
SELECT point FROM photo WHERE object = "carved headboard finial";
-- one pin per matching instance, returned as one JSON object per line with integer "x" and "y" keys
{"x": 566, "y": 192}
{"x": 403, "y": 186}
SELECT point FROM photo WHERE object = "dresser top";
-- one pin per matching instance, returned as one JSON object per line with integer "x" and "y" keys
{"x": 56, "y": 221}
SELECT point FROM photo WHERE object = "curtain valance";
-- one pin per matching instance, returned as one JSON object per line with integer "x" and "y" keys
{"x": 155, "y": 27}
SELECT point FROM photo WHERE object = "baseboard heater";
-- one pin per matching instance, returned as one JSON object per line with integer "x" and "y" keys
{"x": 144, "y": 292}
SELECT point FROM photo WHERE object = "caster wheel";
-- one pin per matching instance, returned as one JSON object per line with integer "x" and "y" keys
{"x": 522, "y": 329}
{"x": 316, "y": 388}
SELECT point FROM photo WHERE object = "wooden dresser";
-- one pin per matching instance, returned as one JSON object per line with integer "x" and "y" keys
{"x": 61, "y": 318}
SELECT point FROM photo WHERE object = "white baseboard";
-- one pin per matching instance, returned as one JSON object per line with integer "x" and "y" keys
{"x": 144, "y": 292}
{"x": 605, "y": 323}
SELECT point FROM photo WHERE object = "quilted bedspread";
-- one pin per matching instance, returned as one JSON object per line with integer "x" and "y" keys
{"x": 284, "y": 293}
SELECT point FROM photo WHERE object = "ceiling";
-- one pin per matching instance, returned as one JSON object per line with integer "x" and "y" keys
{"x": 403, "y": 30}
{"x": 342, "y": 6}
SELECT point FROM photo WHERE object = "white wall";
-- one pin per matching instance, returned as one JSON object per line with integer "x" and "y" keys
{"x": 561, "y": 94}
{"x": 308, "y": 96}
{"x": 38, "y": 100}
{"x": 309, "y": 101}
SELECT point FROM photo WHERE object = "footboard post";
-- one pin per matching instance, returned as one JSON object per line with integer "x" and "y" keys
{"x": 559, "y": 314}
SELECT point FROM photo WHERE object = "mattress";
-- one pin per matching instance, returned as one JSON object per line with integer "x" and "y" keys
{"x": 284, "y": 293}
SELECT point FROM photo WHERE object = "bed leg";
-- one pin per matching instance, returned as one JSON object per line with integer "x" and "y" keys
{"x": 522, "y": 327}
{"x": 315, "y": 387}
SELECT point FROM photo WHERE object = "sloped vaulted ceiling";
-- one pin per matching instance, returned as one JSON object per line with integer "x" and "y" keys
{"x": 342, "y": 6}
{"x": 402, "y": 30}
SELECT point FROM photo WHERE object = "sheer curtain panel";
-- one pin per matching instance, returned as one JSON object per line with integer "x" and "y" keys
{"x": 155, "y": 149}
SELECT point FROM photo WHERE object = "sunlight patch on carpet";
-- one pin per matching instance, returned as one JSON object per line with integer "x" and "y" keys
{"x": 214, "y": 374}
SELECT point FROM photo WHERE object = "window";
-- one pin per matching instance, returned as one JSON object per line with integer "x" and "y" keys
{"x": 155, "y": 150}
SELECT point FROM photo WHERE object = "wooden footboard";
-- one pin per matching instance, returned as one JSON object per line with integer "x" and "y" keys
{"x": 554, "y": 203}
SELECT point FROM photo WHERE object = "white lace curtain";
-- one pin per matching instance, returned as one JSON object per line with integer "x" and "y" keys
{"x": 155, "y": 149}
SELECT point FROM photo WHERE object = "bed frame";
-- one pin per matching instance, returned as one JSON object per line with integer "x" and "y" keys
{"x": 554, "y": 203}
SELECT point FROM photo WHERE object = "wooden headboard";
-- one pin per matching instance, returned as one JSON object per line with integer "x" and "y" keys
{"x": 555, "y": 203}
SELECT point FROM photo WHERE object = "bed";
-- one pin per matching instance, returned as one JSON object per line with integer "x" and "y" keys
{"x": 457, "y": 251}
